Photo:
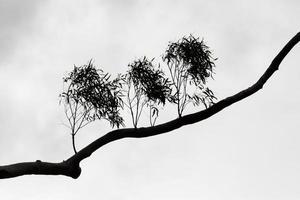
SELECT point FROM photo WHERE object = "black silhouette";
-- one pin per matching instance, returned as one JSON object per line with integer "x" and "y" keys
{"x": 189, "y": 62}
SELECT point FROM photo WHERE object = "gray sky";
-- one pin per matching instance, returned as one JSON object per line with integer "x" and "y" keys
{"x": 248, "y": 151}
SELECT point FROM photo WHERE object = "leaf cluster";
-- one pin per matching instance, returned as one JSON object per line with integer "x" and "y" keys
{"x": 146, "y": 85}
{"x": 190, "y": 65}
{"x": 94, "y": 90}
{"x": 148, "y": 80}
{"x": 194, "y": 55}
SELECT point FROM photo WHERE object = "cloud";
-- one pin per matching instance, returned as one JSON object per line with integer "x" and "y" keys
{"x": 16, "y": 20}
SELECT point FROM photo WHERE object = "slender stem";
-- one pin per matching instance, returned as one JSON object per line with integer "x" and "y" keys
{"x": 183, "y": 104}
{"x": 178, "y": 92}
{"x": 129, "y": 103}
{"x": 141, "y": 109}
{"x": 73, "y": 143}
{"x": 150, "y": 114}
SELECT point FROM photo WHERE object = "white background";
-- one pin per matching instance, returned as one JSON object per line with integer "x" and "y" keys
{"x": 248, "y": 151}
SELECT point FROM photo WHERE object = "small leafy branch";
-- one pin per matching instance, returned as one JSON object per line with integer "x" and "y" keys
{"x": 90, "y": 95}
{"x": 190, "y": 64}
{"x": 146, "y": 86}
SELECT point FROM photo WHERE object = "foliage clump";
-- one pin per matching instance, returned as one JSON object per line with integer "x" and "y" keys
{"x": 190, "y": 64}
{"x": 145, "y": 86}
{"x": 91, "y": 94}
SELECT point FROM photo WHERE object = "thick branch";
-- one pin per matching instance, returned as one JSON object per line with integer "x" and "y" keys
{"x": 71, "y": 166}
{"x": 40, "y": 168}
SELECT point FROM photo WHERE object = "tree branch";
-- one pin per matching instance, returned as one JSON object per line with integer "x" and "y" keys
{"x": 71, "y": 166}
{"x": 40, "y": 168}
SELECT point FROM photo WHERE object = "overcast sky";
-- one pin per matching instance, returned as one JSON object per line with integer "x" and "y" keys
{"x": 248, "y": 151}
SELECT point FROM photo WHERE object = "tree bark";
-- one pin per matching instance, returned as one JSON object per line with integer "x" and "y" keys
{"x": 71, "y": 168}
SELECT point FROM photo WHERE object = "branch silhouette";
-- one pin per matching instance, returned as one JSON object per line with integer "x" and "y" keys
{"x": 71, "y": 167}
